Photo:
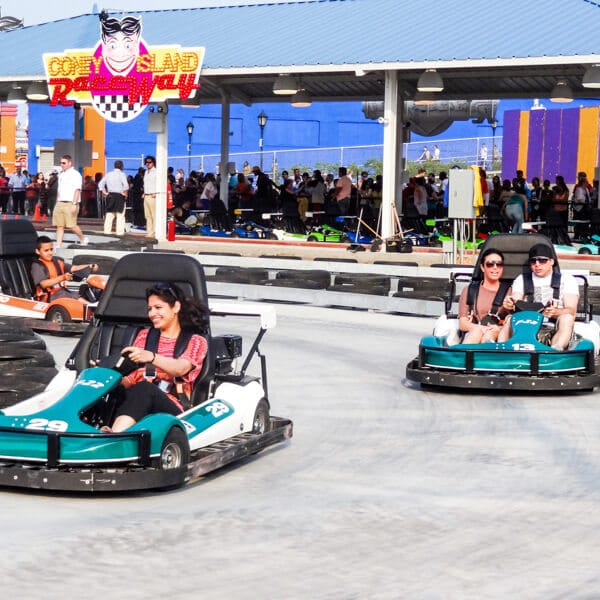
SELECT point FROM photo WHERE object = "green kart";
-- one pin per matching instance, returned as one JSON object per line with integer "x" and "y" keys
{"x": 522, "y": 362}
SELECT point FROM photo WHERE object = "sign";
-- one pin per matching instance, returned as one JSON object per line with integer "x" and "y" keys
{"x": 122, "y": 74}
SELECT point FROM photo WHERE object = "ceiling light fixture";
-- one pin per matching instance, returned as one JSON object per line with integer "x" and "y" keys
{"x": 16, "y": 96}
{"x": 301, "y": 99}
{"x": 37, "y": 91}
{"x": 591, "y": 77}
{"x": 430, "y": 81}
{"x": 561, "y": 92}
{"x": 285, "y": 85}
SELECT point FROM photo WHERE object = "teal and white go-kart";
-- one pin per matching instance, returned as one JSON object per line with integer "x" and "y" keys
{"x": 53, "y": 440}
{"x": 520, "y": 363}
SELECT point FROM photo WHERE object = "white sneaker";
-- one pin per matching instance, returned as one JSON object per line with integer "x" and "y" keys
{"x": 85, "y": 241}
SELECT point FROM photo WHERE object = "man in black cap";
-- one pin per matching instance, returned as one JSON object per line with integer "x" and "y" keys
{"x": 559, "y": 293}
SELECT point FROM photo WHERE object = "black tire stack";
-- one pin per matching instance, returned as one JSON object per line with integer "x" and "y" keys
{"x": 26, "y": 366}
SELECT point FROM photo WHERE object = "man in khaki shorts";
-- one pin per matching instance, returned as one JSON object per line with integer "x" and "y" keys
{"x": 67, "y": 201}
{"x": 150, "y": 191}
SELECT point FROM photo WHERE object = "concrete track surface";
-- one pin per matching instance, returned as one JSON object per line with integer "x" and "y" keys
{"x": 385, "y": 491}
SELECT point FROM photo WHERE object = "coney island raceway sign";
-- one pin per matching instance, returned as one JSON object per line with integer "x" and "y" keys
{"x": 122, "y": 74}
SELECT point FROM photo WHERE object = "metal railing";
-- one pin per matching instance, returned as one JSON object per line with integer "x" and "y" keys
{"x": 458, "y": 151}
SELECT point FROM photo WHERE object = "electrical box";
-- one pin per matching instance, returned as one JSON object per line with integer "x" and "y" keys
{"x": 461, "y": 193}
{"x": 156, "y": 122}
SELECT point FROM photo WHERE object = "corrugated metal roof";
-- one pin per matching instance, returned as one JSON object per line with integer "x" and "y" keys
{"x": 518, "y": 48}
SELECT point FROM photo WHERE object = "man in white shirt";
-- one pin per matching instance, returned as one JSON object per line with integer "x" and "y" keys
{"x": 17, "y": 183}
{"x": 559, "y": 297}
{"x": 114, "y": 188}
{"x": 150, "y": 191}
{"x": 67, "y": 201}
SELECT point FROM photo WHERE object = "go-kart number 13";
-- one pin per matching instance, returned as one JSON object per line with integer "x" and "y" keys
{"x": 46, "y": 425}
{"x": 523, "y": 346}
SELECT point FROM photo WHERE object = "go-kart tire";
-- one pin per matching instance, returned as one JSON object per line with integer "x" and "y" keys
{"x": 271, "y": 236}
{"x": 312, "y": 238}
{"x": 58, "y": 314}
{"x": 260, "y": 422}
{"x": 584, "y": 251}
{"x": 175, "y": 451}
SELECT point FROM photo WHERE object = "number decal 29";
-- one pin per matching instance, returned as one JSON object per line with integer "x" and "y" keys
{"x": 46, "y": 425}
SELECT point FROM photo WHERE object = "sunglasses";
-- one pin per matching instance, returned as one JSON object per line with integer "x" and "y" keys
{"x": 542, "y": 260}
{"x": 163, "y": 286}
{"x": 493, "y": 263}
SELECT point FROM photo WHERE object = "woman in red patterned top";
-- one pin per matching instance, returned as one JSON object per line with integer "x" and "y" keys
{"x": 169, "y": 312}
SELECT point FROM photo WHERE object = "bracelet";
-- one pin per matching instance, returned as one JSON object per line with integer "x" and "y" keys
{"x": 153, "y": 357}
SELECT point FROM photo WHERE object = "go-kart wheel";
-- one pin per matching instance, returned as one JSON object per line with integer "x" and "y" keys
{"x": 235, "y": 234}
{"x": 175, "y": 452}
{"x": 271, "y": 236}
{"x": 260, "y": 424}
{"x": 312, "y": 238}
{"x": 584, "y": 250}
{"x": 58, "y": 314}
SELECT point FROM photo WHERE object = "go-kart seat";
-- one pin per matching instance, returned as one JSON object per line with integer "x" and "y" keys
{"x": 122, "y": 310}
{"x": 17, "y": 250}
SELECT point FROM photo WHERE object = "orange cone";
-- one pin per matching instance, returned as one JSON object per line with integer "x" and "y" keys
{"x": 36, "y": 213}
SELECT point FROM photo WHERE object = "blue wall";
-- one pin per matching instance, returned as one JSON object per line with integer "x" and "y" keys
{"x": 320, "y": 125}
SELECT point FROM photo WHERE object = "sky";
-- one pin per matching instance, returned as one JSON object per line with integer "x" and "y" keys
{"x": 35, "y": 11}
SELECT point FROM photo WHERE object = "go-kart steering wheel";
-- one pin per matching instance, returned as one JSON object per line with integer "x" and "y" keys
{"x": 521, "y": 305}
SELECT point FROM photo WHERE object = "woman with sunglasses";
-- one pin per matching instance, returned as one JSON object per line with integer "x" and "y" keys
{"x": 158, "y": 385}
{"x": 480, "y": 309}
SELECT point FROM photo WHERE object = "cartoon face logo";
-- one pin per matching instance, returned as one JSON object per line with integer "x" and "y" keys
{"x": 120, "y": 51}
{"x": 117, "y": 55}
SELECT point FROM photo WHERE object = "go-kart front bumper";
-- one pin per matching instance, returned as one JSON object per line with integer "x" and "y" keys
{"x": 136, "y": 476}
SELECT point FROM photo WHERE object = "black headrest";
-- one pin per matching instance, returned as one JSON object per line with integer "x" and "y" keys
{"x": 17, "y": 238}
{"x": 515, "y": 248}
{"x": 124, "y": 298}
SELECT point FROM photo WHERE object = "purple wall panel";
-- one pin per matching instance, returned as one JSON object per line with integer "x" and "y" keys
{"x": 552, "y": 132}
{"x": 569, "y": 142}
{"x": 536, "y": 140}
{"x": 510, "y": 143}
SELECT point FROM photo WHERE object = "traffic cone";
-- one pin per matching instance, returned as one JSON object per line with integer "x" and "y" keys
{"x": 36, "y": 213}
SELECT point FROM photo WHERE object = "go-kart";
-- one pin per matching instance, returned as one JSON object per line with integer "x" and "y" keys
{"x": 520, "y": 363}
{"x": 293, "y": 229}
{"x": 590, "y": 245}
{"x": 53, "y": 440}
{"x": 17, "y": 293}
{"x": 247, "y": 228}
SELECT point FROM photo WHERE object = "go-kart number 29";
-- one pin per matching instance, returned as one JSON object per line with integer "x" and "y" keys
{"x": 217, "y": 409}
{"x": 46, "y": 425}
